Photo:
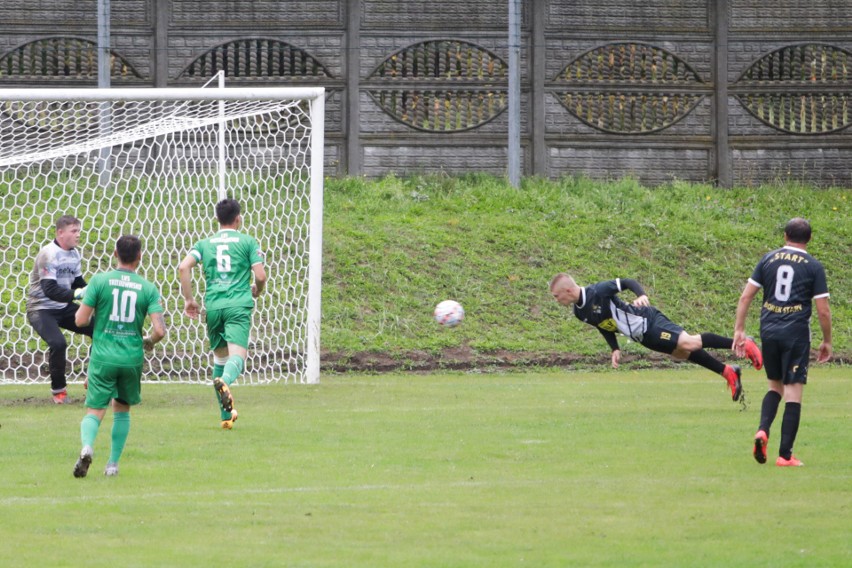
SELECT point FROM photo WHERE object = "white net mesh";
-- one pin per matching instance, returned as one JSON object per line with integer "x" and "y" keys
{"x": 156, "y": 168}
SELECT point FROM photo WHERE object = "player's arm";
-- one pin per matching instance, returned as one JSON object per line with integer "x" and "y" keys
{"x": 824, "y": 316}
{"x": 259, "y": 279}
{"x": 78, "y": 287}
{"x": 55, "y": 292}
{"x": 83, "y": 315}
{"x": 749, "y": 292}
{"x": 191, "y": 307}
{"x": 612, "y": 341}
{"x": 636, "y": 288}
{"x": 158, "y": 331}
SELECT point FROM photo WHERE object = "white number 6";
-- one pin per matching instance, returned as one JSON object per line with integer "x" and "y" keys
{"x": 223, "y": 260}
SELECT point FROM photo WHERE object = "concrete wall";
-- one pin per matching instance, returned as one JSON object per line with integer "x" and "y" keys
{"x": 657, "y": 89}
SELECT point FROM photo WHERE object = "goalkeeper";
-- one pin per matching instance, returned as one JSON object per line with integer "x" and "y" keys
{"x": 599, "y": 305}
{"x": 228, "y": 260}
{"x": 56, "y": 281}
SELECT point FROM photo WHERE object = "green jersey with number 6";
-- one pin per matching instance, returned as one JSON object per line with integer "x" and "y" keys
{"x": 121, "y": 300}
{"x": 226, "y": 259}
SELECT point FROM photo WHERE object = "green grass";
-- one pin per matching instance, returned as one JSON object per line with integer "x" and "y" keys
{"x": 395, "y": 247}
{"x": 549, "y": 468}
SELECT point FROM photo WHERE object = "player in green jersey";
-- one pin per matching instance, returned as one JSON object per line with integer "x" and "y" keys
{"x": 119, "y": 300}
{"x": 228, "y": 259}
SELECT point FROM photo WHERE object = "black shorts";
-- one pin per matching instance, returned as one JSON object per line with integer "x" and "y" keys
{"x": 786, "y": 360}
{"x": 662, "y": 334}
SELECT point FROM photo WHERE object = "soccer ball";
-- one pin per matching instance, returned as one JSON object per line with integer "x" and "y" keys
{"x": 449, "y": 313}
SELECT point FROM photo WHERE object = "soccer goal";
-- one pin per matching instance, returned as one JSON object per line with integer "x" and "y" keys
{"x": 154, "y": 162}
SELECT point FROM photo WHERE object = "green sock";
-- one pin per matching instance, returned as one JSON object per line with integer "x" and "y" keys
{"x": 120, "y": 430}
{"x": 218, "y": 371}
{"x": 233, "y": 368}
{"x": 89, "y": 429}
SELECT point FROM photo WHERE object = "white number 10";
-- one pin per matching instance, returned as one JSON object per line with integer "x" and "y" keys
{"x": 123, "y": 308}
{"x": 784, "y": 282}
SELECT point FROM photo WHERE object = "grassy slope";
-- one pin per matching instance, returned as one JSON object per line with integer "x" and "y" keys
{"x": 394, "y": 247}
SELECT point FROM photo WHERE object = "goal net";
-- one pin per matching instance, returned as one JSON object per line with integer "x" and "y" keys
{"x": 154, "y": 162}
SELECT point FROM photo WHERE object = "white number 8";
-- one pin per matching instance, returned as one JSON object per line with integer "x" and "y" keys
{"x": 784, "y": 282}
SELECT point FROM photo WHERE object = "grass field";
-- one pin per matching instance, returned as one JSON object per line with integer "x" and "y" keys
{"x": 546, "y": 468}
{"x": 394, "y": 247}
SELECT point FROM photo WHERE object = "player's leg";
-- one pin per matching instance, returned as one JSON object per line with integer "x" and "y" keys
{"x": 691, "y": 348}
{"x": 118, "y": 439}
{"x": 790, "y": 424}
{"x": 691, "y": 343}
{"x": 715, "y": 341}
{"x": 773, "y": 356}
{"x": 67, "y": 320}
{"x": 220, "y": 359}
{"x": 667, "y": 337}
{"x": 237, "y": 330}
{"x": 768, "y": 411}
{"x": 219, "y": 347}
{"x": 46, "y": 325}
{"x": 234, "y": 361}
{"x": 795, "y": 378}
{"x": 98, "y": 396}
{"x": 128, "y": 393}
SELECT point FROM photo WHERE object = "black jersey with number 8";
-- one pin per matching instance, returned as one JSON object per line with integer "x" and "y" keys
{"x": 791, "y": 278}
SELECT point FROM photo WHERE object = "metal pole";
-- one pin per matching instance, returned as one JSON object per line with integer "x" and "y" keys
{"x": 352, "y": 102}
{"x": 104, "y": 69}
{"x": 537, "y": 149}
{"x": 724, "y": 173}
{"x": 312, "y": 371}
{"x": 104, "y": 65}
{"x": 223, "y": 193}
{"x": 515, "y": 93}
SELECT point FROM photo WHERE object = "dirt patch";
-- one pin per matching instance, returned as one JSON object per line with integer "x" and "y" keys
{"x": 461, "y": 358}
{"x": 467, "y": 359}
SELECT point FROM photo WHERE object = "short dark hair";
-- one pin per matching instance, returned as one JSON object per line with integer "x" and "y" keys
{"x": 227, "y": 211}
{"x": 798, "y": 230}
{"x": 67, "y": 220}
{"x": 128, "y": 248}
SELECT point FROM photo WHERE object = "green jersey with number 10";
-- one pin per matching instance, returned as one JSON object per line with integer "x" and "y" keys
{"x": 121, "y": 300}
{"x": 226, "y": 259}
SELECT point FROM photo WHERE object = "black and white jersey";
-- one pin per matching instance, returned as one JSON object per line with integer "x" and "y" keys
{"x": 601, "y": 307}
{"x": 790, "y": 278}
{"x": 52, "y": 263}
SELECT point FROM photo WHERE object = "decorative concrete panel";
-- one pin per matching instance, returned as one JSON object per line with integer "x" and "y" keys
{"x": 650, "y": 165}
{"x": 435, "y": 15}
{"x": 648, "y": 15}
{"x": 277, "y": 14}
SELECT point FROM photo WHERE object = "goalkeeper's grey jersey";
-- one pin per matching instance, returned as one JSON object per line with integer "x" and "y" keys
{"x": 52, "y": 263}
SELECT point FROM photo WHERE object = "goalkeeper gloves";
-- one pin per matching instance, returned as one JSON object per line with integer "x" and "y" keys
{"x": 79, "y": 293}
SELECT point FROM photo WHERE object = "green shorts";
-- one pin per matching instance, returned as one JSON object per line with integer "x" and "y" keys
{"x": 228, "y": 325}
{"x": 110, "y": 381}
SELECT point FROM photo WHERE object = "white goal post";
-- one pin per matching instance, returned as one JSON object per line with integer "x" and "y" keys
{"x": 154, "y": 162}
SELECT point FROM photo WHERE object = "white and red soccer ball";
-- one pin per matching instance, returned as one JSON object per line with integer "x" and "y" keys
{"x": 449, "y": 313}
